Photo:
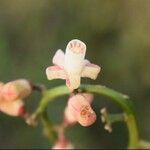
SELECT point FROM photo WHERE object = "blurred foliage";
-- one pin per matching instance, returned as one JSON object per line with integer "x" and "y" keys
{"x": 117, "y": 34}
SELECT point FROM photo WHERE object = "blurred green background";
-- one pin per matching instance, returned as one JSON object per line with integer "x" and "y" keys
{"x": 117, "y": 34}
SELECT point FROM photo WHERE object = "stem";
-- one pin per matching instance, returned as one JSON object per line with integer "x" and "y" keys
{"x": 116, "y": 117}
{"x": 48, "y": 127}
{"x": 50, "y": 95}
{"x": 122, "y": 100}
{"x": 126, "y": 105}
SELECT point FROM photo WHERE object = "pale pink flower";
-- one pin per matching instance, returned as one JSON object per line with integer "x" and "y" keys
{"x": 16, "y": 89}
{"x": 62, "y": 143}
{"x": 72, "y": 65}
{"x": 81, "y": 110}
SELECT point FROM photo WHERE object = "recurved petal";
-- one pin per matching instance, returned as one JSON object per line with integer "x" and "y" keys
{"x": 58, "y": 58}
{"x": 91, "y": 71}
{"x": 12, "y": 108}
{"x": 55, "y": 72}
{"x": 74, "y": 56}
{"x": 76, "y": 46}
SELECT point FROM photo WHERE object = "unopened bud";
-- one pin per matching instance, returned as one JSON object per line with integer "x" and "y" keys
{"x": 81, "y": 110}
{"x": 13, "y": 108}
{"x": 62, "y": 143}
{"x": 16, "y": 89}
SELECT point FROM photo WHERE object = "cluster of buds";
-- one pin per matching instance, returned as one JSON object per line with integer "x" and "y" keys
{"x": 11, "y": 97}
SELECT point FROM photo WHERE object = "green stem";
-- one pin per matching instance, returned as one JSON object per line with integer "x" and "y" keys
{"x": 116, "y": 117}
{"x": 48, "y": 127}
{"x": 122, "y": 100}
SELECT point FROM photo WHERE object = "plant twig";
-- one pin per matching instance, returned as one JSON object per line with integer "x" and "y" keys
{"x": 121, "y": 99}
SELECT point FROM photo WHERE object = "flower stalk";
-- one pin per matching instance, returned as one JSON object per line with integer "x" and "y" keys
{"x": 48, "y": 128}
{"x": 121, "y": 99}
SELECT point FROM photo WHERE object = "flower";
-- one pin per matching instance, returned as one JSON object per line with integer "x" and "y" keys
{"x": 11, "y": 95}
{"x": 72, "y": 65}
{"x": 62, "y": 143}
{"x": 79, "y": 110}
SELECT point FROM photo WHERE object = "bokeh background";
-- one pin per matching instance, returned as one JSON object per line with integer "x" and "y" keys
{"x": 117, "y": 34}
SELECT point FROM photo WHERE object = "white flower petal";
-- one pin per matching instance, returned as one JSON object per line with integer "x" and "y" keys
{"x": 86, "y": 62}
{"x": 55, "y": 72}
{"x": 73, "y": 82}
{"x": 91, "y": 71}
{"x": 74, "y": 57}
{"x": 58, "y": 58}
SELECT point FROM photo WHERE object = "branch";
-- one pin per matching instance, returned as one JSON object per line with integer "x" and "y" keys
{"x": 121, "y": 99}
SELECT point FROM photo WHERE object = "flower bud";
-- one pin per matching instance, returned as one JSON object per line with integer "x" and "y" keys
{"x": 13, "y": 108}
{"x": 69, "y": 119}
{"x": 1, "y": 87}
{"x": 62, "y": 143}
{"x": 16, "y": 89}
{"x": 88, "y": 96}
{"x": 80, "y": 108}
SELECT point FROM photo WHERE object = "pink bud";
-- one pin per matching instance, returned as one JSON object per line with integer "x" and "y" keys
{"x": 16, "y": 89}
{"x": 69, "y": 119}
{"x": 88, "y": 96}
{"x": 1, "y": 87}
{"x": 12, "y": 108}
{"x": 80, "y": 108}
{"x": 62, "y": 143}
